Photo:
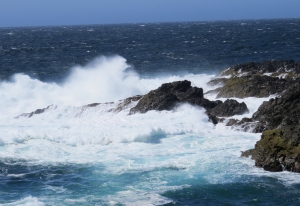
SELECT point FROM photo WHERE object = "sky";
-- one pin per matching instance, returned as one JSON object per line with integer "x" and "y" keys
{"x": 15, "y": 13}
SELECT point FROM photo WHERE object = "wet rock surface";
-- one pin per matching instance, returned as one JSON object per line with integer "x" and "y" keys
{"x": 289, "y": 68}
{"x": 275, "y": 153}
{"x": 256, "y": 79}
{"x": 38, "y": 111}
{"x": 251, "y": 86}
{"x": 282, "y": 113}
{"x": 246, "y": 125}
{"x": 168, "y": 95}
{"x": 229, "y": 108}
{"x": 124, "y": 104}
{"x": 279, "y": 119}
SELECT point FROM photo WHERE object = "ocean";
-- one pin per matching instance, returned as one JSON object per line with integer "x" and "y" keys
{"x": 77, "y": 155}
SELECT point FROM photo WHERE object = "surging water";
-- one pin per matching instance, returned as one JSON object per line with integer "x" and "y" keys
{"x": 75, "y": 155}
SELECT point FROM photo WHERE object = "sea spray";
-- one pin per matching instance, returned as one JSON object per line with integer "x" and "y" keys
{"x": 105, "y": 79}
{"x": 76, "y": 155}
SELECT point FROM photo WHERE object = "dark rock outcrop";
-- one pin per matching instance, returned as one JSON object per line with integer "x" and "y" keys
{"x": 229, "y": 108}
{"x": 251, "y": 86}
{"x": 245, "y": 125}
{"x": 168, "y": 95}
{"x": 256, "y": 79}
{"x": 279, "y": 147}
{"x": 288, "y": 68}
{"x": 282, "y": 113}
{"x": 278, "y": 119}
{"x": 275, "y": 153}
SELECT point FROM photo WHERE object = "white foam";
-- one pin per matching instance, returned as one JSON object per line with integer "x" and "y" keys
{"x": 28, "y": 201}
{"x": 253, "y": 103}
{"x": 158, "y": 142}
{"x": 105, "y": 79}
{"x": 137, "y": 198}
{"x": 268, "y": 74}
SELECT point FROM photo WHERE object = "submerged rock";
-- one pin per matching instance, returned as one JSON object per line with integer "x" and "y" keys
{"x": 38, "y": 111}
{"x": 245, "y": 125}
{"x": 168, "y": 96}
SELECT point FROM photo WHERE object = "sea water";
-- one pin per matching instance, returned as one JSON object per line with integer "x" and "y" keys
{"x": 76, "y": 155}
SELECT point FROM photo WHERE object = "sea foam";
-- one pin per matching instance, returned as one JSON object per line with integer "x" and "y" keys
{"x": 164, "y": 149}
{"x": 105, "y": 79}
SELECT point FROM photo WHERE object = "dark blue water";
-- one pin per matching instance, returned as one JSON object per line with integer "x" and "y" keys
{"x": 49, "y": 52}
{"x": 63, "y": 158}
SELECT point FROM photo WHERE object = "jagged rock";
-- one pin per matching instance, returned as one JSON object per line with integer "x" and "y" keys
{"x": 96, "y": 104}
{"x": 229, "y": 108}
{"x": 231, "y": 122}
{"x": 93, "y": 105}
{"x": 246, "y": 125}
{"x": 167, "y": 96}
{"x": 38, "y": 111}
{"x": 251, "y": 86}
{"x": 170, "y": 94}
{"x": 126, "y": 102}
{"x": 256, "y": 79}
{"x": 279, "y": 146}
{"x": 275, "y": 153}
{"x": 213, "y": 119}
{"x": 282, "y": 113}
{"x": 283, "y": 68}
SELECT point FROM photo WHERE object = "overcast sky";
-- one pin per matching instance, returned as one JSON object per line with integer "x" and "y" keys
{"x": 77, "y": 12}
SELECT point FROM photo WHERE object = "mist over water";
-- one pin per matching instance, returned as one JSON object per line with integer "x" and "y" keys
{"x": 76, "y": 155}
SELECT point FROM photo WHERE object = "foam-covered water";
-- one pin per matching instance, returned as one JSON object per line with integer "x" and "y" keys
{"x": 76, "y": 155}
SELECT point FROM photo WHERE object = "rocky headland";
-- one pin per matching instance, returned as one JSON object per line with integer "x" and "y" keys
{"x": 256, "y": 79}
{"x": 277, "y": 119}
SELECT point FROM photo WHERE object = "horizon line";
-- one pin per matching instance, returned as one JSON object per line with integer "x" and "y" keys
{"x": 133, "y": 23}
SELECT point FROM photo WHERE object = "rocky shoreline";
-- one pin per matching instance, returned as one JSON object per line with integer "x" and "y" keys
{"x": 277, "y": 119}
